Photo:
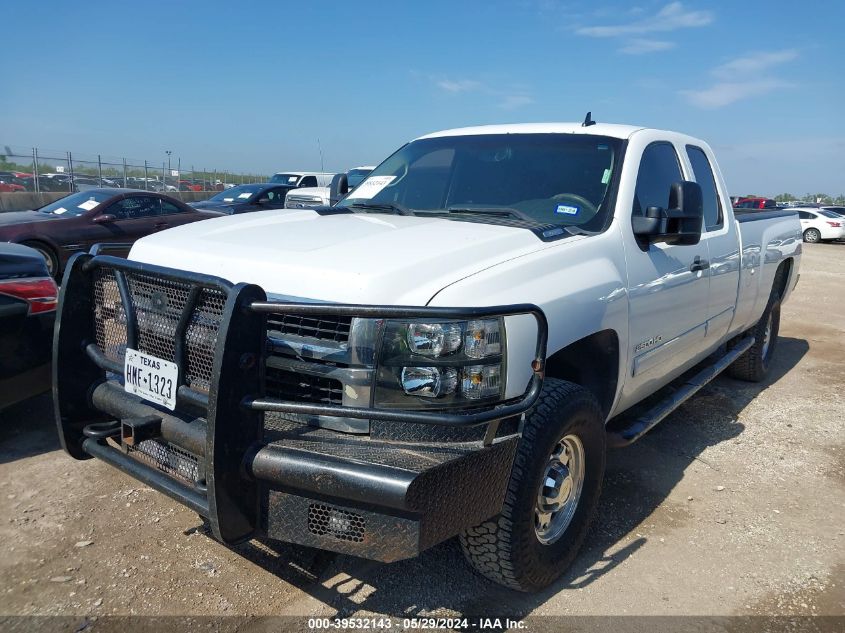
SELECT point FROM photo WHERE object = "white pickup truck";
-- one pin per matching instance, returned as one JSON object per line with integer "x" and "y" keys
{"x": 310, "y": 197}
{"x": 447, "y": 352}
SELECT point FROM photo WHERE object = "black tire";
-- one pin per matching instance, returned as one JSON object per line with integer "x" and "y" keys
{"x": 49, "y": 256}
{"x": 507, "y": 548}
{"x": 813, "y": 236}
{"x": 753, "y": 365}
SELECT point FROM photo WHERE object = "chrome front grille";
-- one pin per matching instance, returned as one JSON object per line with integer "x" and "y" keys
{"x": 321, "y": 359}
{"x": 302, "y": 202}
{"x": 325, "y": 327}
{"x": 300, "y": 387}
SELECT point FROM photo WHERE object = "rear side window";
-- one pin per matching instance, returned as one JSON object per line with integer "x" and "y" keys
{"x": 804, "y": 215}
{"x": 704, "y": 177}
{"x": 168, "y": 208}
{"x": 659, "y": 168}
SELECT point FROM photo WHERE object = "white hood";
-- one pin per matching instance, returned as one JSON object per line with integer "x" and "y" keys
{"x": 348, "y": 258}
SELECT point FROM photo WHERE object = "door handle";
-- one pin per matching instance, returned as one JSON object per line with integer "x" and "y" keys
{"x": 699, "y": 264}
{"x": 160, "y": 225}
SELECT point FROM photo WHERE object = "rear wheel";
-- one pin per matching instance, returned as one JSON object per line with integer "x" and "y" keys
{"x": 552, "y": 493}
{"x": 754, "y": 364}
{"x": 812, "y": 235}
{"x": 48, "y": 255}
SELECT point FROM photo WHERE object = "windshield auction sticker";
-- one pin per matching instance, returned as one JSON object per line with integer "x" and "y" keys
{"x": 371, "y": 186}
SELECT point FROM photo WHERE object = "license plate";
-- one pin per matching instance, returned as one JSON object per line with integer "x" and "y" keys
{"x": 152, "y": 378}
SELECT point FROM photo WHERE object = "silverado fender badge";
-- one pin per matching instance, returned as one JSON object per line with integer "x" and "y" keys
{"x": 654, "y": 340}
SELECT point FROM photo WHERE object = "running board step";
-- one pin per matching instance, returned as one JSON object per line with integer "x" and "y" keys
{"x": 642, "y": 424}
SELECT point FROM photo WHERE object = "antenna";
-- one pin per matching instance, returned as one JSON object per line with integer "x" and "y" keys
{"x": 588, "y": 120}
{"x": 320, "y": 147}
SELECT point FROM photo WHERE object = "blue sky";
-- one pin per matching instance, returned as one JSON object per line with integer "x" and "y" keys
{"x": 252, "y": 85}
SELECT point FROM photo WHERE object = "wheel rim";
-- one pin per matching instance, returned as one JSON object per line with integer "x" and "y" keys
{"x": 560, "y": 489}
{"x": 813, "y": 235}
{"x": 767, "y": 336}
{"x": 48, "y": 258}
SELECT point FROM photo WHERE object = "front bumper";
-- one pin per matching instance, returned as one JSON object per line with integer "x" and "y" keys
{"x": 252, "y": 474}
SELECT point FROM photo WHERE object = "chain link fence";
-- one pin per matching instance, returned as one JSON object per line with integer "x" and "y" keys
{"x": 47, "y": 171}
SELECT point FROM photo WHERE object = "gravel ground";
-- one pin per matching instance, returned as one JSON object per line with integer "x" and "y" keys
{"x": 733, "y": 505}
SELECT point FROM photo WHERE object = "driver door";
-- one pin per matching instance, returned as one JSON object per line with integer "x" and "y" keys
{"x": 134, "y": 217}
{"x": 668, "y": 286}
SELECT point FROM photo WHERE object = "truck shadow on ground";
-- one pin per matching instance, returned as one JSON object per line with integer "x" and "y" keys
{"x": 28, "y": 428}
{"x": 637, "y": 482}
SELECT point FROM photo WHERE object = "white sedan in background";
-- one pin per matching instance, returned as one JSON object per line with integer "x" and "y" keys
{"x": 820, "y": 225}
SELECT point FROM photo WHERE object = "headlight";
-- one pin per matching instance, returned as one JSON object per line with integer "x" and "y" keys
{"x": 441, "y": 364}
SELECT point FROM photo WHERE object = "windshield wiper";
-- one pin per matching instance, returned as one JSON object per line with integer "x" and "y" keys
{"x": 392, "y": 207}
{"x": 507, "y": 212}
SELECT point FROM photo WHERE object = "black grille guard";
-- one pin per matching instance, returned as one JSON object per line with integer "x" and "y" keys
{"x": 234, "y": 404}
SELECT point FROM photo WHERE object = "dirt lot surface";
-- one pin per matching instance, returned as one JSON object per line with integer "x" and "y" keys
{"x": 733, "y": 505}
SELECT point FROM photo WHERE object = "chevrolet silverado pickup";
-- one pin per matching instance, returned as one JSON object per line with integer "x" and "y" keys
{"x": 448, "y": 351}
{"x": 310, "y": 197}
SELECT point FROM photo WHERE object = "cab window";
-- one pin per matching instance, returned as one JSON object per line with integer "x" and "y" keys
{"x": 704, "y": 177}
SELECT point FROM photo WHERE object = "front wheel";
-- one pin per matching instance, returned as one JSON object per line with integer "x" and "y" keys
{"x": 812, "y": 236}
{"x": 554, "y": 486}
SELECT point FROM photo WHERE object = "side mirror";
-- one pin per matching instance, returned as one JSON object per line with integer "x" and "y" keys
{"x": 105, "y": 218}
{"x": 338, "y": 188}
{"x": 680, "y": 223}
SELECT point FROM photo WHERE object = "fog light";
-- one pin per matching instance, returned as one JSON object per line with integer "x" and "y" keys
{"x": 434, "y": 339}
{"x": 481, "y": 381}
{"x": 430, "y": 382}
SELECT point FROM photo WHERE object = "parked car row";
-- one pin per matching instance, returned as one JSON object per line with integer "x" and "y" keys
{"x": 80, "y": 220}
{"x": 62, "y": 182}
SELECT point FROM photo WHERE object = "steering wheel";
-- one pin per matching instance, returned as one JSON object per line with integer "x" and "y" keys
{"x": 581, "y": 201}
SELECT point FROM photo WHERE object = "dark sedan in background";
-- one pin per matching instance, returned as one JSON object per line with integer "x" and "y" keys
{"x": 28, "y": 297}
{"x": 80, "y": 220}
{"x": 246, "y": 198}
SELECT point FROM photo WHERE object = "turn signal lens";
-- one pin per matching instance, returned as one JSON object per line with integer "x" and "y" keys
{"x": 481, "y": 381}
{"x": 482, "y": 339}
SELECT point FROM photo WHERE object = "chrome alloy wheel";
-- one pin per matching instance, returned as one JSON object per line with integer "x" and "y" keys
{"x": 560, "y": 489}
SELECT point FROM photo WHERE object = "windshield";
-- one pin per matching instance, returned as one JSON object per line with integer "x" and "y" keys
{"x": 77, "y": 203}
{"x": 829, "y": 214}
{"x": 241, "y": 193}
{"x": 542, "y": 178}
{"x": 285, "y": 179}
{"x": 356, "y": 176}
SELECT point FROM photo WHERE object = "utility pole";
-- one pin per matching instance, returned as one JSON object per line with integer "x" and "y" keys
{"x": 320, "y": 147}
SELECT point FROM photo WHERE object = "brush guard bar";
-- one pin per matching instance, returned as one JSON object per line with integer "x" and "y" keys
{"x": 226, "y": 424}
